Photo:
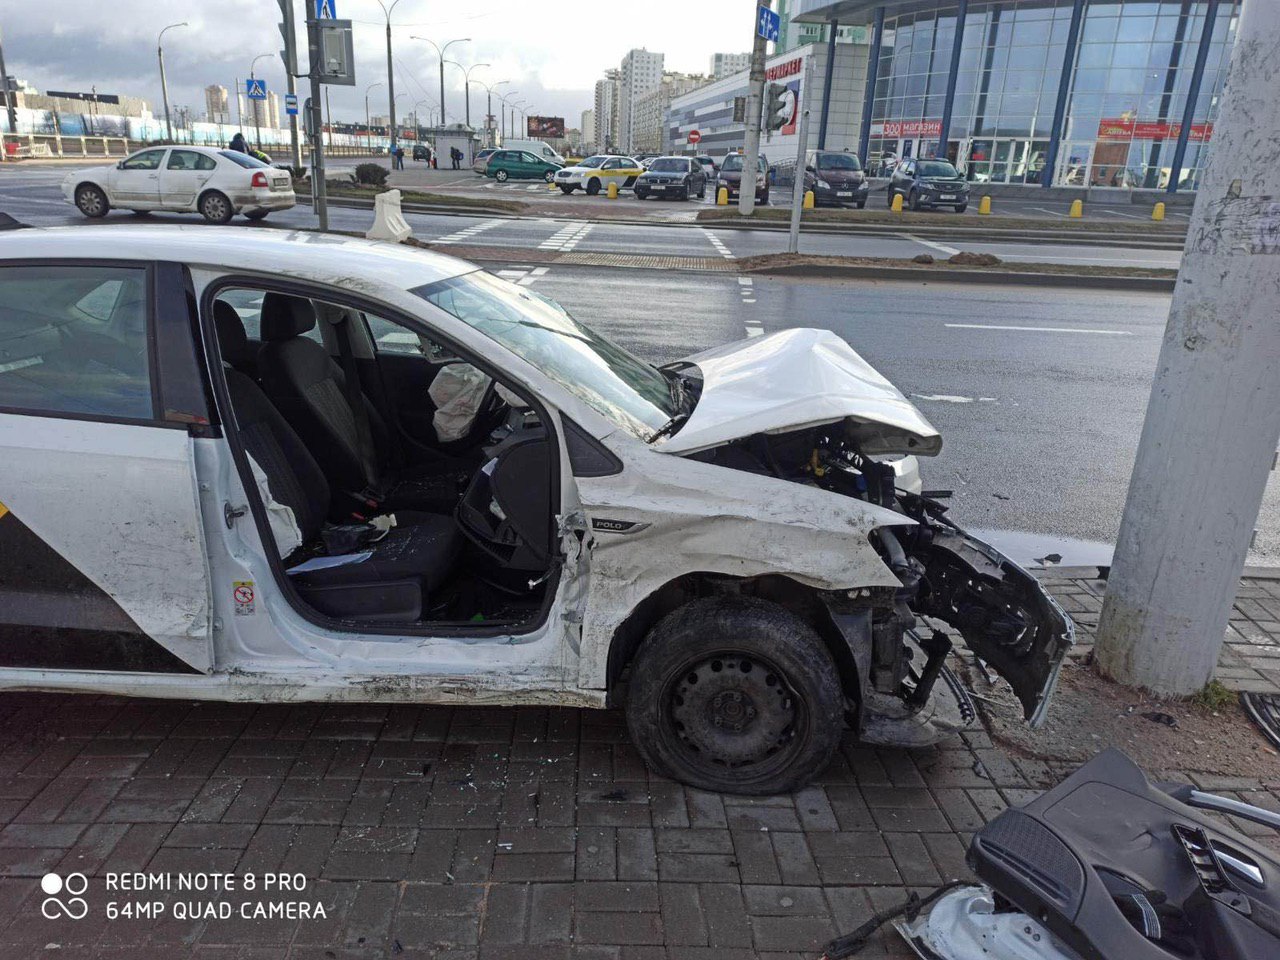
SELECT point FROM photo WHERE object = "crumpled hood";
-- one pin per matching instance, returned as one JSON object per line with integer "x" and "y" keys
{"x": 793, "y": 380}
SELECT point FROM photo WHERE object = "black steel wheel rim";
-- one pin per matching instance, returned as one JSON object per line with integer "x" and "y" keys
{"x": 734, "y": 711}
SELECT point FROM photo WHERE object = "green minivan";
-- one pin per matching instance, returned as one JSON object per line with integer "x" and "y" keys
{"x": 507, "y": 165}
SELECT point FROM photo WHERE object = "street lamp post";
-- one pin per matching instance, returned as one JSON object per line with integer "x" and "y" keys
{"x": 507, "y": 103}
{"x": 164, "y": 85}
{"x": 466, "y": 83}
{"x": 257, "y": 112}
{"x": 368, "y": 127}
{"x": 489, "y": 129}
{"x": 391, "y": 80}
{"x": 440, "y": 53}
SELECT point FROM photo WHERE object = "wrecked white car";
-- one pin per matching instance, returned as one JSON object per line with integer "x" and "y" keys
{"x": 306, "y": 467}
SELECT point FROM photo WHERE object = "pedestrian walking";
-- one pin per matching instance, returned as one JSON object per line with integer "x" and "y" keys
{"x": 398, "y": 160}
{"x": 239, "y": 144}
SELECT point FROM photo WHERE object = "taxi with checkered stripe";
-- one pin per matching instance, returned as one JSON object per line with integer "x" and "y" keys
{"x": 595, "y": 173}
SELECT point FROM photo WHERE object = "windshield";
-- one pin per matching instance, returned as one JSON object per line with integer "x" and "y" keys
{"x": 620, "y": 387}
{"x": 235, "y": 156}
{"x": 838, "y": 161}
{"x": 593, "y": 161}
{"x": 937, "y": 168}
{"x": 733, "y": 162}
{"x": 669, "y": 165}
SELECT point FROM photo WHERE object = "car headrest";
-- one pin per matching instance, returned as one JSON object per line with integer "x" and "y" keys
{"x": 233, "y": 342}
{"x": 285, "y": 317}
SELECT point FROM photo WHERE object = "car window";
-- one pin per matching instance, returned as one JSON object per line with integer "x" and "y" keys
{"x": 189, "y": 160}
{"x": 937, "y": 168}
{"x": 669, "y": 165}
{"x": 529, "y": 158}
{"x": 838, "y": 161}
{"x": 390, "y": 337}
{"x": 147, "y": 160}
{"x": 592, "y": 162}
{"x": 612, "y": 164}
{"x": 73, "y": 339}
{"x": 619, "y": 386}
{"x": 243, "y": 159}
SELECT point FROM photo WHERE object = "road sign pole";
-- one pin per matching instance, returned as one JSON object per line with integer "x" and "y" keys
{"x": 315, "y": 122}
{"x": 755, "y": 100}
{"x": 290, "y": 57}
{"x": 797, "y": 187}
{"x": 1213, "y": 420}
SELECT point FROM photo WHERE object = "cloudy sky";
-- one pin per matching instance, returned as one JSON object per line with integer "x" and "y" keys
{"x": 551, "y": 60}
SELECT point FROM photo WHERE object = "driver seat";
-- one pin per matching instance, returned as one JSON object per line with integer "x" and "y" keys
{"x": 309, "y": 389}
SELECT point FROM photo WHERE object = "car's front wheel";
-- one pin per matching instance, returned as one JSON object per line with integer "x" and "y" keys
{"x": 92, "y": 202}
{"x": 501, "y": 176}
{"x": 593, "y": 186}
{"x": 735, "y": 695}
{"x": 961, "y": 207}
{"x": 914, "y": 200}
{"x": 216, "y": 208}
{"x": 566, "y": 188}
{"x": 862, "y": 204}
{"x": 642, "y": 194}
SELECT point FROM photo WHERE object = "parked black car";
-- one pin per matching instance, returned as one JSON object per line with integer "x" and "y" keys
{"x": 420, "y": 152}
{"x": 836, "y": 178}
{"x": 680, "y": 177}
{"x": 731, "y": 176}
{"x": 929, "y": 183}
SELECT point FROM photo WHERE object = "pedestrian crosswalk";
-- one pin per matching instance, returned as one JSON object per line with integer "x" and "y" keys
{"x": 465, "y": 234}
{"x": 567, "y": 237}
{"x": 523, "y": 275}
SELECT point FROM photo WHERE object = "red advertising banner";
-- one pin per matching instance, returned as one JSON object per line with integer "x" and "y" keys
{"x": 546, "y": 128}
{"x": 912, "y": 128}
{"x": 1121, "y": 128}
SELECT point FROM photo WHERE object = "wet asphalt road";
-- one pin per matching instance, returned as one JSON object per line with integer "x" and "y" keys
{"x": 1040, "y": 425}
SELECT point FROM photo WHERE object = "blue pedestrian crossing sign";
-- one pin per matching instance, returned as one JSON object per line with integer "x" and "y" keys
{"x": 326, "y": 10}
{"x": 255, "y": 89}
{"x": 768, "y": 23}
{"x": 291, "y": 104}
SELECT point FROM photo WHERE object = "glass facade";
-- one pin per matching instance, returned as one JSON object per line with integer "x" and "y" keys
{"x": 1129, "y": 85}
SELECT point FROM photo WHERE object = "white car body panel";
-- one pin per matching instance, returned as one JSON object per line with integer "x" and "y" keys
{"x": 792, "y": 380}
{"x": 65, "y": 478}
{"x": 579, "y": 176}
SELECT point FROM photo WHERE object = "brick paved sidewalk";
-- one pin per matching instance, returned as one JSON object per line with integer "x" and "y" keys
{"x": 482, "y": 833}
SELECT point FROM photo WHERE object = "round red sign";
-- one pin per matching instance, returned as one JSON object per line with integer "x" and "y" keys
{"x": 695, "y": 136}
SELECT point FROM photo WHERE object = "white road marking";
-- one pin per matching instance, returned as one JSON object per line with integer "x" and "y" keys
{"x": 996, "y": 326}
{"x": 1052, "y": 213}
{"x": 566, "y": 238}
{"x": 1127, "y": 216}
{"x": 467, "y": 233}
{"x": 522, "y": 275}
{"x": 942, "y": 248}
{"x": 537, "y": 273}
{"x": 718, "y": 244}
{"x": 951, "y": 398}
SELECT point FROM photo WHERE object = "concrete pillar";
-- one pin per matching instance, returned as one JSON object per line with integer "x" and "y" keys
{"x": 1213, "y": 420}
{"x": 1193, "y": 94}
{"x": 869, "y": 94}
{"x": 957, "y": 43}
{"x": 1064, "y": 88}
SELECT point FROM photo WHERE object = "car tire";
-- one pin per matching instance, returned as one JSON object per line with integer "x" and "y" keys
{"x": 961, "y": 207}
{"x": 702, "y": 194}
{"x": 913, "y": 201}
{"x": 593, "y": 186}
{"x": 861, "y": 204}
{"x": 92, "y": 202}
{"x": 566, "y": 188}
{"x": 257, "y": 215}
{"x": 549, "y": 176}
{"x": 764, "y": 199}
{"x": 768, "y": 716}
{"x": 889, "y": 198}
{"x": 215, "y": 207}
{"x": 642, "y": 194}
{"x": 501, "y": 176}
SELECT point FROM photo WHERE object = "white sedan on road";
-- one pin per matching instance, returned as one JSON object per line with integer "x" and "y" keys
{"x": 215, "y": 183}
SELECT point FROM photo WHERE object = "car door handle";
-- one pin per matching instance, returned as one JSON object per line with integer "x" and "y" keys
{"x": 153, "y": 176}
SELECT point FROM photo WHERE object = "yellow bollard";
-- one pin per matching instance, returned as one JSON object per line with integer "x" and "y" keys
{"x": 808, "y": 199}
{"x": 1077, "y": 209}
{"x": 984, "y": 206}
{"x": 552, "y": 186}
{"x": 613, "y": 191}
{"x": 896, "y": 207}
{"x": 1157, "y": 212}
{"x": 722, "y": 197}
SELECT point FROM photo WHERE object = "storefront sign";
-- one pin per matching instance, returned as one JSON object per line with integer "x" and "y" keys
{"x": 788, "y": 69}
{"x": 907, "y": 128}
{"x": 1121, "y": 128}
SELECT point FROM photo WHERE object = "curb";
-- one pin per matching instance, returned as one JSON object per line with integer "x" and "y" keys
{"x": 460, "y": 211}
{"x": 1005, "y": 277}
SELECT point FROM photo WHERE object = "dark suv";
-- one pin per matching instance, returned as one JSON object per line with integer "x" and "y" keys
{"x": 836, "y": 178}
{"x": 929, "y": 183}
{"x": 731, "y": 176}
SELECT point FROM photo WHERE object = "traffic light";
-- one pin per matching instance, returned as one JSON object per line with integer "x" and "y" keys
{"x": 775, "y": 107}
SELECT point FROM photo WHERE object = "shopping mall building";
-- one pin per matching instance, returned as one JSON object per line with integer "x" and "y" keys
{"x": 1104, "y": 93}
